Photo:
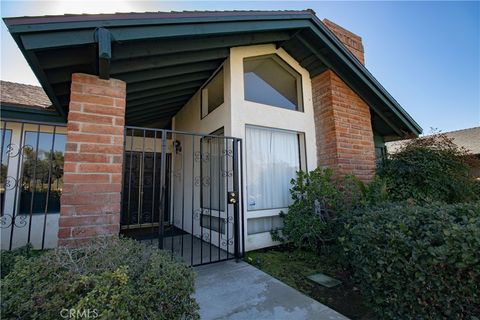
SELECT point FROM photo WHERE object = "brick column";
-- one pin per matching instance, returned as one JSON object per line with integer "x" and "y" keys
{"x": 92, "y": 181}
{"x": 343, "y": 128}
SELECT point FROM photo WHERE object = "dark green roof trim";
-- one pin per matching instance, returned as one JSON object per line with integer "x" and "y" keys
{"x": 11, "y": 112}
{"x": 104, "y": 42}
{"x": 42, "y": 78}
{"x": 162, "y": 97}
{"x": 175, "y": 45}
{"x": 169, "y": 81}
{"x": 203, "y": 39}
{"x": 148, "y": 63}
{"x": 165, "y": 90}
{"x": 75, "y": 37}
{"x": 159, "y": 73}
{"x": 72, "y": 22}
{"x": 368, "y": 77}
{"x": 349, "y": 82}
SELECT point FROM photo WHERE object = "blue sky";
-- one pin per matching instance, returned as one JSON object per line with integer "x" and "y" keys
{"x": 426, "y": 54}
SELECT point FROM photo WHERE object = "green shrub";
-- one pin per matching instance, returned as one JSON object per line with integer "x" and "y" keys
{"x": 111, "y": 278}
{"x": 375, "y": 192}
{"x": 318, "y": 200}
{"x": 417, "y": 262}
{"x": 430, "y": 169}
{"x": 8, "y": 258}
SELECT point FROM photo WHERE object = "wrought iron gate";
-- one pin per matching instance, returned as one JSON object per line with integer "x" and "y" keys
{"x": 183, "y": 190}
{"x": 31, "y": 183}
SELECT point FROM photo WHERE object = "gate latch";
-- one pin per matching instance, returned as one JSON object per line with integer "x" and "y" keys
{"x": 232, "y": 197}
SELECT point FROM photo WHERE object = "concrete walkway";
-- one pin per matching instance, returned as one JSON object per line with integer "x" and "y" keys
{"x": 230, "y": 290}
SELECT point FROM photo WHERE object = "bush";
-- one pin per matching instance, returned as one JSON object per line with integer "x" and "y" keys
{"x": 9, "y": 258}
{"x": 319, "y": 199}
{"x": 375, "y": 192}
{"x": 110, "y": 279}
{"x": 430, "y": 169}
{"x": 417, "y": 262}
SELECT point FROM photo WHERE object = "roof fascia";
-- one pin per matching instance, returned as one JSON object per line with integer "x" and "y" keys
{"x": 15, "y": 112}
{"x": 321, "y": 30}
{"x": 35, "y": 67}
{"x": 15, "y": 25}
{"x": 27, "y": 37}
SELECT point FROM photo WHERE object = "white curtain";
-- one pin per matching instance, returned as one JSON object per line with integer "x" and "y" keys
{"x": 272, "y": 160}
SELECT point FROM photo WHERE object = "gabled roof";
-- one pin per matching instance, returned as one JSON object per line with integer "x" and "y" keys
{"x": 165, "y": 57}
{"x": 467, "y": 138}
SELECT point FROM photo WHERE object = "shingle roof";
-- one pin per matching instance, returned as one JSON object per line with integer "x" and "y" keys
{"x": 468, "y": 138}
{"x": 19, "y": 94}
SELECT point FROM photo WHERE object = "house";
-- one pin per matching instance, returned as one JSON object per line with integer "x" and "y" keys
{"x": 469, "y": 139}
{"x": 186, "y": 126}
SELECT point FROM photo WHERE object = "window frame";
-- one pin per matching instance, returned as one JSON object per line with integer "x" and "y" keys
{"x": 222, "y": 223}
{"x": 380, "y": 154}
{"x": 203, "y": 87}
{"x": 223, "y": 195}
{"x": 6, "y": 158}
{"x": 272, "y": 217}
{"x": 302, "y": 155}
{"x": 288, "y": 68}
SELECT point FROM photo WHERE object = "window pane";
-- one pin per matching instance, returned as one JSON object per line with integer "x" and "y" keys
{"x": 265, "y": 224}
{"x": 213, "y": 193}
{"x": 272, "y": 161}
{"x": 213, "y": 223}
{"x": 212, "y": 94}
{"x": 380, "y": 154}
{"x": 270, "y": 81}
{"x": 39, "y": 167}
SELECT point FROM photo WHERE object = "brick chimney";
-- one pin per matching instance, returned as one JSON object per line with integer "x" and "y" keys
{"x": 349, "y": 39}
{"x": 342, "y": 119}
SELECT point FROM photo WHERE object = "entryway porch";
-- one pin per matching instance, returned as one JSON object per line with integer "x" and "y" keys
{"x": 181, "y": 192}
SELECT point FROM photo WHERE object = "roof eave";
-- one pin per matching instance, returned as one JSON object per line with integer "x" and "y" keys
{"x": 26, "y": 113}
{"x": 34, "y": 66}
{"x": 74, "y": 23}
{"x": 363, "y": 71}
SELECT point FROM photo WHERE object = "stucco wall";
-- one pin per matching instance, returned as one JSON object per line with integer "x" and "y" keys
{"x": 245, "y": 113}
{"x": 234, "y": 115}
{"x": 186, "y": 190}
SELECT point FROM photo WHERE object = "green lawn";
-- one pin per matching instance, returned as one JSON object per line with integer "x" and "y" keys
{"x": 291, "y": 266}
